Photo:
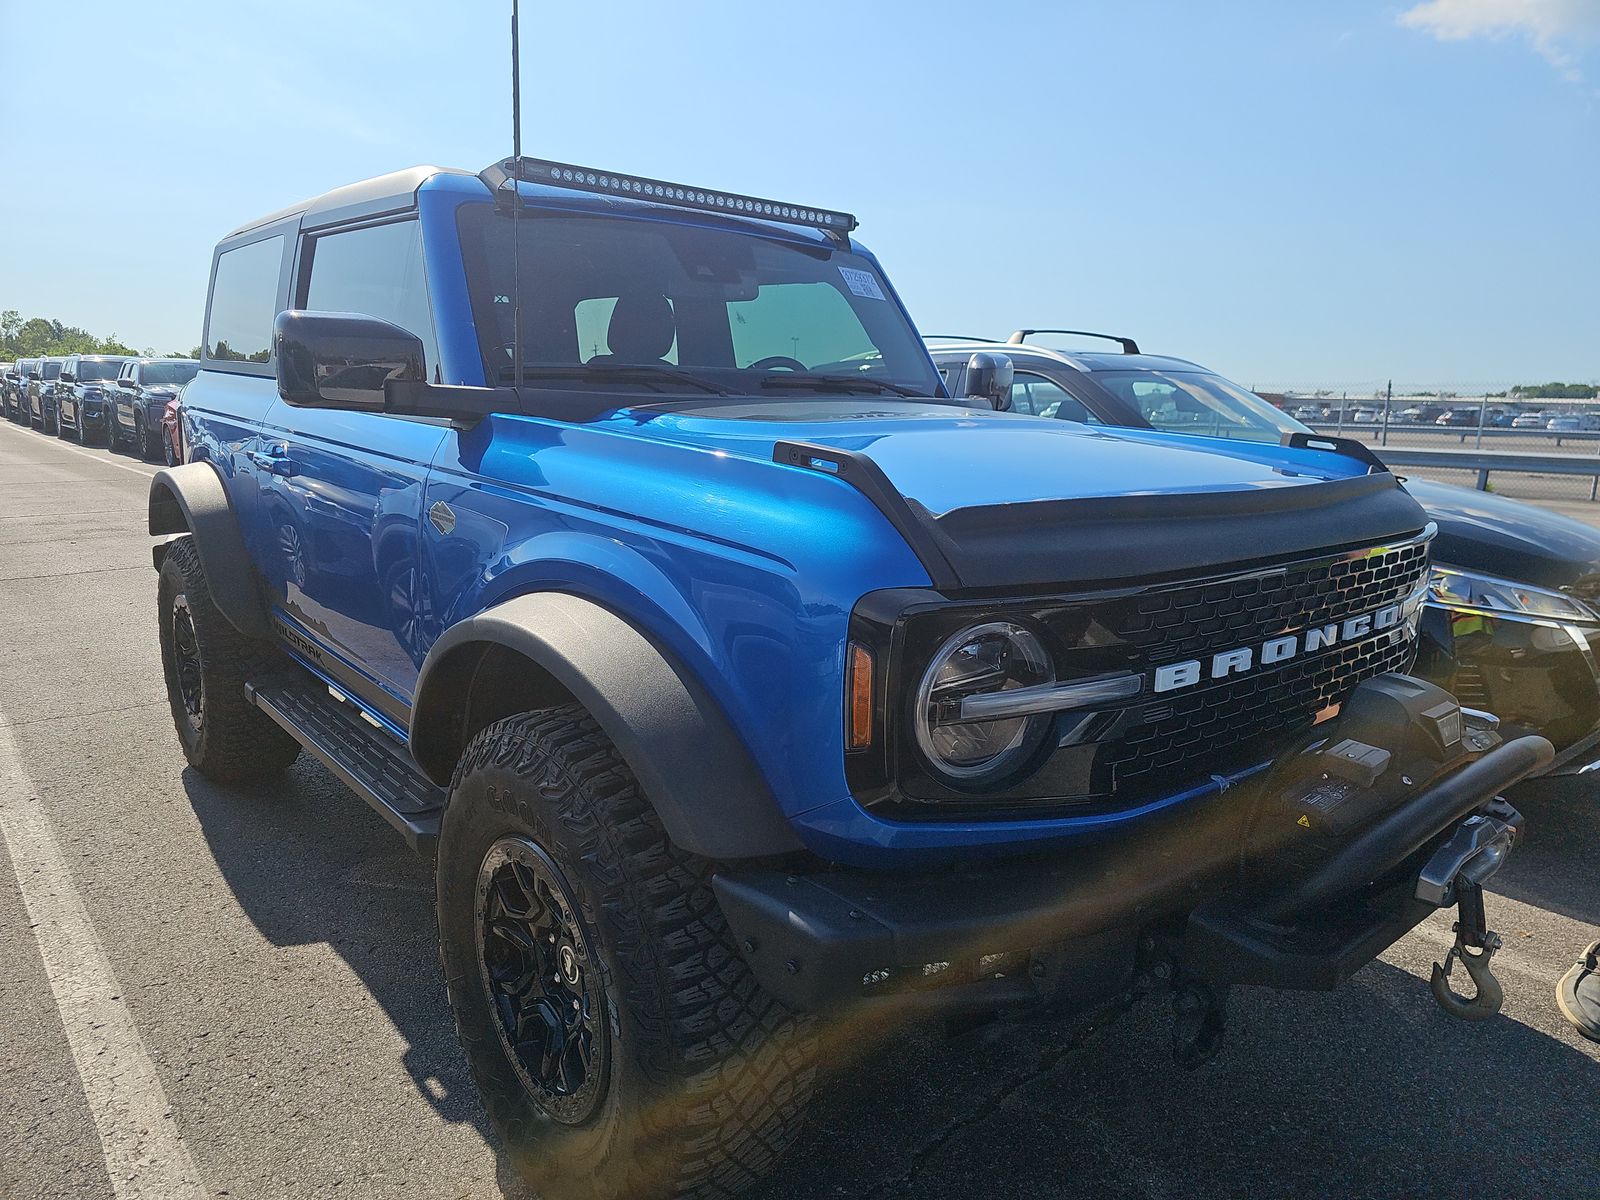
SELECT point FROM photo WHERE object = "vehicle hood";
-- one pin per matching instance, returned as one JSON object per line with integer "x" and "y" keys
{"x": 161, "y": 391}
{"x": 1510, "y": 539}
{"x": 948, "y": 458}
{"x": 994, "y": 500}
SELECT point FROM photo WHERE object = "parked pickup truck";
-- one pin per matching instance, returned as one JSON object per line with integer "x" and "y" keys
{"x": 139, "y": 399}
{"x": 617, "y": 541}
{"x": 83, "y": 400}
{"x": 44, "y": 381}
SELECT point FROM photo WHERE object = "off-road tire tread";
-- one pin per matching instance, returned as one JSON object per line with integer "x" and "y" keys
{"x": 239, "y": 742}
{"x": 744, "y": 1064}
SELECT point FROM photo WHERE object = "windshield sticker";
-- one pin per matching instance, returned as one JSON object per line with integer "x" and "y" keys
{"x": 861, "y": 283}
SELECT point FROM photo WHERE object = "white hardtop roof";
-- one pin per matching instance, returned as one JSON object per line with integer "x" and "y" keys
{"x": 370, "y": 197}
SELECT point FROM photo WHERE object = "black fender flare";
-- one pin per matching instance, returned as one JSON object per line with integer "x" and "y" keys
{"x": 693, "y": 767}
{"x": 193, "y": 499}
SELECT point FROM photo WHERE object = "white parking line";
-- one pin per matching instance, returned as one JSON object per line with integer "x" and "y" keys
{"x": 144, "y": 1152}
{"x": 60, "y": 445}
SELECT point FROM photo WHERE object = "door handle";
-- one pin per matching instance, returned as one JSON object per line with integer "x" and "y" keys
{"x": 276, "y": 462}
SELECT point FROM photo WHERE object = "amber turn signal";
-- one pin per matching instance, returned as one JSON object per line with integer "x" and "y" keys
{"x": 858, "y": 719}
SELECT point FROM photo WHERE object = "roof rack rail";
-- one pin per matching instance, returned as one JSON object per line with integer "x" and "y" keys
{"x": 1129, "y": 346}
{"x": 609, "y": 183}
{"x": 955, "y": 337}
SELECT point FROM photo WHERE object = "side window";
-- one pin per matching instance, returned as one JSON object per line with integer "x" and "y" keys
{"x": 244, "y": 302}
{"x": 1041, "y": 397}
{"x": 376, "y": 271}
{"x": 951, "y": 373}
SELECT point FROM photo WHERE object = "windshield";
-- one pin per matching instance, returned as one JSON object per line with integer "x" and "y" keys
{"x": 665, "y": 307}
{"x": 155, "y": 374}
{"x": 1198, "y": 403}
{"x": 90, "y": 368}
{"x": 51, "y": 370}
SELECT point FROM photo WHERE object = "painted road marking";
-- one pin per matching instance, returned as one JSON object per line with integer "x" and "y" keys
{"x": 144, "y": 1152}
{"x": 60, "y": 445}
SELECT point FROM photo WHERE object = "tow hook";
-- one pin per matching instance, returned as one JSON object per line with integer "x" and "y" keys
{"x": 1456, "y": 873}
{"x": 1475, "y": 945}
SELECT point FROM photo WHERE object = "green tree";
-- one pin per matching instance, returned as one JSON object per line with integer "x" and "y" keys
{"x": 1556, "y": 391}
{"x": 38, "y": 337}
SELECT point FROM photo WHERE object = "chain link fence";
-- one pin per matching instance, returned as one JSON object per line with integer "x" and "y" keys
{"x": 1486, "y": 418}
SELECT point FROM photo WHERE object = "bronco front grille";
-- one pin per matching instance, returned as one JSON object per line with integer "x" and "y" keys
{"x": 1205, "y": 727}
{"x": 1111, "y": 758}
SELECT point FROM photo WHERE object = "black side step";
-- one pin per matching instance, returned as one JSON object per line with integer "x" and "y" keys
{"x": 370, "y": 762}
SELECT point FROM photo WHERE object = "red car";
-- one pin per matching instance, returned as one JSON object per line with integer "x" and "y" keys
{"x": 172, "y": 432}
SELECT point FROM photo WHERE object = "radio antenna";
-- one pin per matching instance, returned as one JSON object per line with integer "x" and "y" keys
{"x": 516, "y": 202}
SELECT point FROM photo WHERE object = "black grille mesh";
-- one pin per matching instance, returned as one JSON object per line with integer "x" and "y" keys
{"x": 1202, "y": 727}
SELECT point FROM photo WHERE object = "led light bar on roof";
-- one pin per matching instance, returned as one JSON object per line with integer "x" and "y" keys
{"x": 607, "y": 183}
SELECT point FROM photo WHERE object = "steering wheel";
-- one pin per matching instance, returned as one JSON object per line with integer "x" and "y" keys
{"x": 774, "y": 361}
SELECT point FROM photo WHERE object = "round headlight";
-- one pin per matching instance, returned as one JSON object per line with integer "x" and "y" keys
{"x": 996, "y": 656}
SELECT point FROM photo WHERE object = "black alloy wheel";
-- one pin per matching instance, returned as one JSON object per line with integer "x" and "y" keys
{"x": 544, "y": 983}
{"x": 186, "y": 659}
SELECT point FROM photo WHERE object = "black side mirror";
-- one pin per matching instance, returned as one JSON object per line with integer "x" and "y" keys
{"x": 68, "y": 377}
{"x": 342, "y": 360}
{"x": 989, "y": 379}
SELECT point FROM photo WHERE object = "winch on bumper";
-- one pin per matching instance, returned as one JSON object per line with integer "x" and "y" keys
{"x": 1294, "y": 880}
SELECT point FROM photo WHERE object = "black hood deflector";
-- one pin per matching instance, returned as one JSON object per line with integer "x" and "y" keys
{"x": 1107, "y": 540}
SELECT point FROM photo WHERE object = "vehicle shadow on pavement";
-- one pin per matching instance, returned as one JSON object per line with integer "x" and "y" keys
{"x": 309, "y": 863}
{"x": 1556, "y": 866}
{"x": 1369, "y": 1091}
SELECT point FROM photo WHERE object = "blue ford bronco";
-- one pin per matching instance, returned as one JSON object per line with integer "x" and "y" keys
{"x": 618, "y": 542}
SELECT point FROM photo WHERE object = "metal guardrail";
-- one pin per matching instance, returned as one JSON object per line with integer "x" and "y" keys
{"x": 1485, "y": 461}
{"x": 1375, "y": 429}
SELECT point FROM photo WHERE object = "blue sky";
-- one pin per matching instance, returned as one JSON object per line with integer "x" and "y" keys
{"x": 1291, "y": 193}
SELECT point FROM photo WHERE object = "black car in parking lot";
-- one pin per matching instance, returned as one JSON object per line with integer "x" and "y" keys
{"x": 1512, "y": 625}
{"x": 8, "y": 371}
{"x": 14, "y": 392}
{"x": 140, "y": 397}
{"x": 82, "y": 395}
{"x": 43, "y": 382}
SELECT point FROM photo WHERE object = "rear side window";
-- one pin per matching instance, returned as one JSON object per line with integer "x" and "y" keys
{"x": 244, "y": 302}
{"x": 378, "y": 272}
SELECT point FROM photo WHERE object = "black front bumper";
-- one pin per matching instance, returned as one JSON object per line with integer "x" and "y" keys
{"x": 1069, "y": 930}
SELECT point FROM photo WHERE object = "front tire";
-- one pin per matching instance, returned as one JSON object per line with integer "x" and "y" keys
{"x": 620, "y": 1044}
{"x": 206, "y": 662}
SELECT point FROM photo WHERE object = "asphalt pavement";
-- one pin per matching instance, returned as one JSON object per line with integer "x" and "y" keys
{"x": 262, "y": 964}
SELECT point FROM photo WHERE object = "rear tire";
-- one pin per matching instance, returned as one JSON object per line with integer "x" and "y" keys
{"x": 673, "y": 1074}
{"x": 206, "y": 662}
{"x": 149, "y": 443}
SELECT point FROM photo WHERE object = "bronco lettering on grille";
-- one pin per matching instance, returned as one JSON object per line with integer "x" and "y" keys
{"x": 1243, "y": 659}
